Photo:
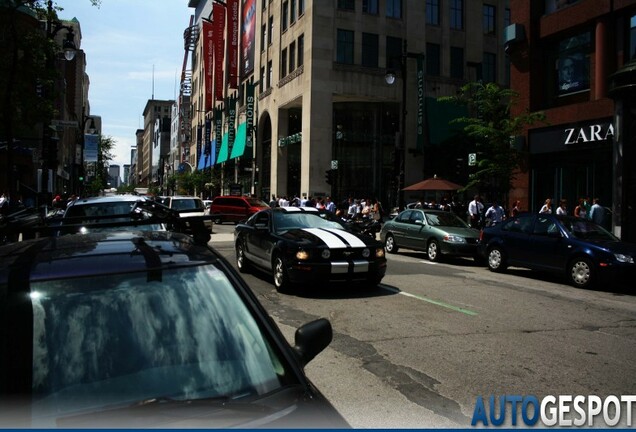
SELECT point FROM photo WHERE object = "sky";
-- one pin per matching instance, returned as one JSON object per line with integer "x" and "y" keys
{"x": 127, "y": 44}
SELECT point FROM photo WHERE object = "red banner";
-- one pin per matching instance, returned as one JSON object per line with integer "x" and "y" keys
{"x": 232, "y": 41}
{"x": 218, "y": 18}
{"x": 208, "y": 62}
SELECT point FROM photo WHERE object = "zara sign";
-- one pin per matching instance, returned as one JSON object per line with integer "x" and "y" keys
{"x": 588, "y": 133}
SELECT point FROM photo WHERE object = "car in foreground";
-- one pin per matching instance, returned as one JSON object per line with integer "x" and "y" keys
{"x": 305, "y": 245}
{"x": 578, "y": 249}
{"x": 146, "y": 329}
{"x": 437, "y": 232}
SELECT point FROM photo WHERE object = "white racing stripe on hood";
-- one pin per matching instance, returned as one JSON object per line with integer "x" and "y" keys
{"x": 330, "y": 240}
{"x": 348, "y": 237}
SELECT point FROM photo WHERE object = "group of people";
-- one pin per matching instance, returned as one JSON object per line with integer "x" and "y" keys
{"x": 594, "y": 211}
{"x": 494, "y": 214}
{"x": 350, "y": 208}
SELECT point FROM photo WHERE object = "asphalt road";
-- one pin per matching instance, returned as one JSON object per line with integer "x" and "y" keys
{"x": 418, "y": 351}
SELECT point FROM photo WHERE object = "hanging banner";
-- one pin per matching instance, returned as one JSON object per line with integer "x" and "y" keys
{"x": 218, "y": 130}
{"x": 90, "y": 147}
{"x": 208, "y": 134}
{"x": 232, "y": 42}
{"x": 218, "y": 16}
{"x": 249, "y": 113}
{"x": 231, "y": 120}
{"x": 247, "y": 42}
{"x": 199, "y": 139}
{"x": 419, "y": 119}
{"x": 208, "y": 62}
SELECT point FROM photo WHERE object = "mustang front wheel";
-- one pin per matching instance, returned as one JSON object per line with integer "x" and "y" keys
{"x": 281, "y": 280}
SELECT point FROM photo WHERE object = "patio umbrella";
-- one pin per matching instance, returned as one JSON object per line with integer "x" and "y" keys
{"x": 433, "y": 184}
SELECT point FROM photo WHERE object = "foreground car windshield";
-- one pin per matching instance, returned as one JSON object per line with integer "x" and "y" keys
{"x": 182, "y": 334}
{"x": 445, "y": 220}
{"x": 287, "y": 221}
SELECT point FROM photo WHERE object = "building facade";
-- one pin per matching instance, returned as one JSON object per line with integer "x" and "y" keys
{"x": 156, "y": 114}
{"x": 563, "y": 55}
{"x": 322, "y": 100}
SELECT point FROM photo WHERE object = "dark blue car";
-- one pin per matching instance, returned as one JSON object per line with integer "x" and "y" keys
{"x": 579, "y": 249}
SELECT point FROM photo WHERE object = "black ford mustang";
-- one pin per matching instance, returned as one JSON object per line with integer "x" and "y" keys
{"x": 304, "y": 245}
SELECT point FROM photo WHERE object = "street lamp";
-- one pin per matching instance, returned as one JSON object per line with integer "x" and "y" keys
{"x": 390, "y": 78}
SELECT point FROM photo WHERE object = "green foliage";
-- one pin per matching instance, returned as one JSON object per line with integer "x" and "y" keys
{"x": 490, "y": 128}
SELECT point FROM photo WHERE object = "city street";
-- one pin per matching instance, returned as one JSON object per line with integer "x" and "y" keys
{"x": 417, "y": 351}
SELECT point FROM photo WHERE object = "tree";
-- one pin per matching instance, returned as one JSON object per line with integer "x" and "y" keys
{"x": 491, "y": 127}
{"x": 99, "y": 181}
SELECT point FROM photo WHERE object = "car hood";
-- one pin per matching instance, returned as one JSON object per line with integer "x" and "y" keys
{"x": 459, "y": 231}
{"x": 330, "y": 237}
{"x": 614, "y": 246}
{"x": 289, "y": 408}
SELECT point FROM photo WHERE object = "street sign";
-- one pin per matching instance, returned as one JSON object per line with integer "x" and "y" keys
{"x": 64, "y": 123}
{"x": 472, "y": 159}
{"x": 334, "y": 164}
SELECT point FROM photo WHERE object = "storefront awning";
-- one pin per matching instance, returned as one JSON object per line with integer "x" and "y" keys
{"x": 239, "y": 142}
{"x": 223, "y": 151}
{"x": 205, "y": 161}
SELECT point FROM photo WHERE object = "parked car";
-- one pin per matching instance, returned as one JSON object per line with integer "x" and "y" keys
{"x": 235, "y": 209}
{"x": 305, "y": 245}
{"x": 437, "y": 232}
{"x": 132, "y": 329}
{"x": 580, "y": 250}
{"x": 187, "y": 206}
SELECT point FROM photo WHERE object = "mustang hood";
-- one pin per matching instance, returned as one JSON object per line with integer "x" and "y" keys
{"x": 330, "y": 237}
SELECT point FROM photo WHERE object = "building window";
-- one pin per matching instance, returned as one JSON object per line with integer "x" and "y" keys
{"x": 370, "y": 49}
{"x": 263, "y": 36}
{"x": 261, "y": 81}
{"x": 346, "y": 4}
{"x": 507, "y": 18}
{"x": 292, "y": 56}
{"x": 270, "y": 74}
{"x": 370, "y": 7}
{"x": 393, "y": 53}
{"x": 301, "y": 10}
{"x": 433, "y": 59}
{"x": 284, "y": 17}
{"x": 457, "y": 14}
{"x": 457, "y": 62}
{"x": 432, "y": 12}
{"x": 489, "y": 67}
{"x": 264, "y": 4}
{"x": 271, "y": 30}
{"x": 344, "y": 48}
{"x": 283, "y": 63}
{"x": 489, "y": 20}
{"x": 573, "y": 64}
{"x": 292, "y": 12}
{"x": 301, "y": 48}
{"x": 394, "y": 8}
{"x": 554, "y": 5}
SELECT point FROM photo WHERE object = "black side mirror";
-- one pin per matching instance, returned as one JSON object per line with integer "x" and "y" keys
{"x": 312, "y": 338}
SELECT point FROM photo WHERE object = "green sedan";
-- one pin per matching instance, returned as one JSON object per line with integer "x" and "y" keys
{"x": 439, "y": 233}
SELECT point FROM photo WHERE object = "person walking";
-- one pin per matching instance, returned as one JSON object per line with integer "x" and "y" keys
{"x": 516, "y": 209}
{"x": 331, "y": 206}
{"x": 547, "y": 207}
{"x": 495, "y": 213}
{"x": 580, "y": 211}
{"x": 475, "y": 210}
{"x": 562, "y": 208}
{"x": 597, "y": 212}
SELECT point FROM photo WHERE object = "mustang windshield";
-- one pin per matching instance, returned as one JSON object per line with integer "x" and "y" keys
{"x": 288, "y": 221}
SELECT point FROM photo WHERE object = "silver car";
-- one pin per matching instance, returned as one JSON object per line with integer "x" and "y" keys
{"x": 437, "y": 232}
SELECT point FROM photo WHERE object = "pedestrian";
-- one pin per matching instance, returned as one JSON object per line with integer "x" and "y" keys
{"x": 353, "y": 210}
{"x": 562, "y": 209}
{"x": 273, "y": 202}
{"x": 547, "y": 207}
{"x": 495, "y": 213}
{"x": 597, "y": 212}
{"x": 580, "y": 211}
{"x": 331, "y": 206}
{"x": 475, "y": 210}
{"x": 516, "y": 209}
{"x": 57, "y": 202}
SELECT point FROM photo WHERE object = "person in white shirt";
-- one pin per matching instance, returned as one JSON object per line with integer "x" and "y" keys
{"x": 547, "y": 207}
{"x": 597, "y": 212}
{"x": 562, "y": 208}
{"x": 475, "y": 209}
{"x": 495, "y": 213}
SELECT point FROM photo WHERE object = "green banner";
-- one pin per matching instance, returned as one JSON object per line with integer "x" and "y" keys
{"x": 420, "y": 118}
{"x": 249, "y": 113}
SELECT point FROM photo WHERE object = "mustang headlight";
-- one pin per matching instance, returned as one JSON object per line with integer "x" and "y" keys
{"x": 450, "y": 238}
{"x": 302, "y": 255}
{"x": 366, "y": 252}
{"x": 379, "y": 252}
{"x": 326, "y": 254}
{"x": 624, "y": 258}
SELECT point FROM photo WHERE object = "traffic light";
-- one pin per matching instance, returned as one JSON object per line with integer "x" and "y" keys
{"x": 330, "y": 176}
{"x": 81, "y": 178}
